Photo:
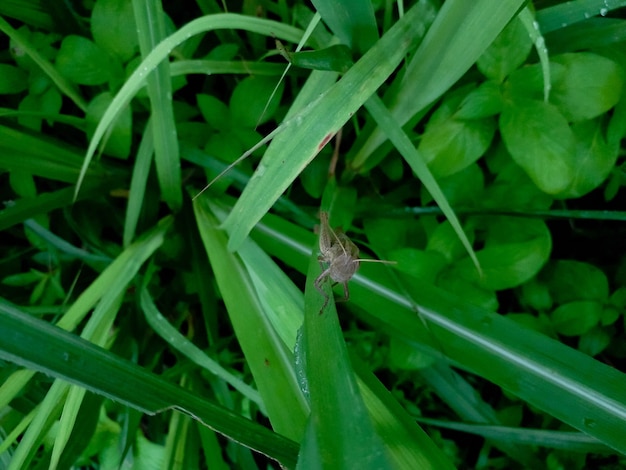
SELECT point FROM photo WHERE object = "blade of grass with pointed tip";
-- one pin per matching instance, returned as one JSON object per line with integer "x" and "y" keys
{"x": 50, "y": 159}
{"x": 161, "y": 52}
{"x": 150, "y": 31}
{"x": 269, "y": 360}
{"x": 177, "y": 341}
{"x": 42, "y": 347}
{"x": 291, "y": 152}
{"x": 21, "y": 210}
{"x": 138, "y": 182}
{"x": 401, "y": 141}
{"x": 460, "y": 34}
{"x": 113, "y": 280}
{"x": 61, "y": 82}
{"x": 97, "y": 331}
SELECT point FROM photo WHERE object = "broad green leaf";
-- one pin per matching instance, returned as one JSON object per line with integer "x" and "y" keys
{"x": 83, "y": 62}
{"x": 250, "y": 103}
{"x": 425, "y": 265}
{"x": 315, "y": 176}
{"x": 510, "y": 49}
{"x": 445, "y": 241}
{"x": 49, "y": 103}
{"x": 536, "y": 295}
{"x": 114, "y": 29}
{"x": 588, "y": 86}
{"x": 484, "y": 101}
{"x": 583, "y": 85}
{"x": 12, "y": 79}
{"x": 571, "y": 280}
{"x": 214, "y": 112}
{"x": 594, "y": 341}
{"x": 593, "y": 159}
{"x": 389, "y": 233}
{"x": 451, "y": 146}
{"x": 576, "y": 318}
{"x": 539, "y": 139}
{"x": 513, "y": 189}
{"x": 513, "y": 253}
{"x": 120, "y": 137}
{"x": 462, "y": 189}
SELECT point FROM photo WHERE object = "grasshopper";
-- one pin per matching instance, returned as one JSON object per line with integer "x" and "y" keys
{"x": 339, "y": 258}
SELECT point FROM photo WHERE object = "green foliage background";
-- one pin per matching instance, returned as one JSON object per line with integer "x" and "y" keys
{"x": 163, "y": 168}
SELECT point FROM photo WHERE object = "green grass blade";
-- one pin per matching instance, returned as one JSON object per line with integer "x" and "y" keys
{"x": 118, "y": 274}
{"x": 340, "y": 432}
{"x": 21, "y": 210}
{"x": 113, "y": 280}
{"x": 539, "y": 370}
{"x": 527, "y": 19}
{"x": 138, "y": 183}
{"x": 214, "y": 67}
{"x": 461, "y": 32}
{"x": 314, "y": 127}
{"x": 31, "y": 13}
{"x": 567, "y": 440}
{"x": 151, "y": 30}
{"x": 46, "y": 414}
{"x": 63, "y": 84}
{"x": 97, "y": 331}
{"x": 408, "y": 445}
{"x": 284, "y": 306}
{"x": 568, "y": 13}
{"x": 175, "y": 339}
{"x": 161, "y": 52}
{"x": 401, "y": 141}
{"x": 269, "y": 360}
{"x": 73, "y": 359}
{"x": 43, "y": 157}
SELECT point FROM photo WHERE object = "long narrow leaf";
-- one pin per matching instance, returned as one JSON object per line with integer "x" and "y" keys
{"x": 71, "y": 358}
{"x": 534, "y": 367}
{"x": 151, "y": 30}
{"x": 268, "y": 358}
{"x": 313, "y": 129}
{"x": 161, "y": 52}
{"x": 460, "y": 34}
